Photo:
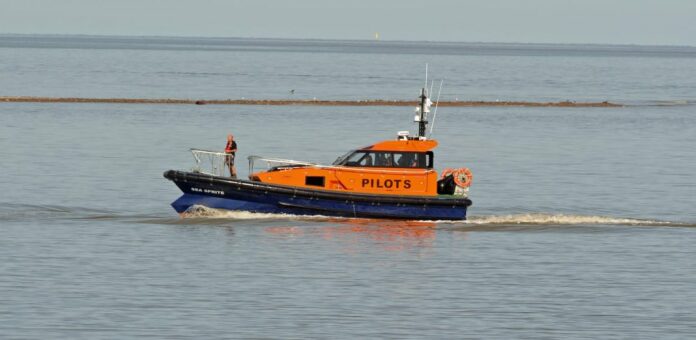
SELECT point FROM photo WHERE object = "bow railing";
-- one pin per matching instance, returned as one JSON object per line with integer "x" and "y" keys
{"x": 211, "y": 162}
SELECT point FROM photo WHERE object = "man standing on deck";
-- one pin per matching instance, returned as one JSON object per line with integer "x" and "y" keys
{"x": 231, "y": 150}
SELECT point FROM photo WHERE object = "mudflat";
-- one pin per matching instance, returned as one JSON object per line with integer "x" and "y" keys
{"x": 307, "y": 102}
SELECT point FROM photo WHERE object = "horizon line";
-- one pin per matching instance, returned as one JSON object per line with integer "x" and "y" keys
{"x": 342, "y": 39}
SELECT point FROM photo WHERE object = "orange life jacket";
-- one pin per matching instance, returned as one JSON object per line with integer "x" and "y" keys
{"x": 230, "y": 146}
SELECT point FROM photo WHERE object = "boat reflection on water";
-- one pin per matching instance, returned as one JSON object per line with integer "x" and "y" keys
{"x": 390, "y": 235}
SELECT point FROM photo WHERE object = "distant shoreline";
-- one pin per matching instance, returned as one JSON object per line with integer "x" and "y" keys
{"x": 299, "y": 102}
{"x": 343, "y": 40}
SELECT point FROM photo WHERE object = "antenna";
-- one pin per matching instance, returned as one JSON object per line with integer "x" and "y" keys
{"x": 432, "y": 82}
{"x": 426, "y": 75}
{"x": 436, "y": 105}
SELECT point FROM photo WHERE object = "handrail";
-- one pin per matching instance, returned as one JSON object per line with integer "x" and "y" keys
{"x": 215, "y": 163}
{"x": 206, "y": 151}
{"x": 279, "y": 160}
{"x": 290, "y": 162}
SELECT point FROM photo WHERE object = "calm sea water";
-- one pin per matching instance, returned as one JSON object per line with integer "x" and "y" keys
{"x": 583, "y": 223}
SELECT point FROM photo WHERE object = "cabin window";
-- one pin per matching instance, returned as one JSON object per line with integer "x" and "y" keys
{"x": 359, "y": 158}
{"x": 384, "y": 159}
{"x": 387, "y": 159}
{"x": 317, "y": 181}
{"x": 429, "y": 158}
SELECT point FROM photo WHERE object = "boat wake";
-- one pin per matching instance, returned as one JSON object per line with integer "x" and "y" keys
{"x": 198, "y": 212}
{"x": 563, "y": 219}
{"x": 530, "y": 219}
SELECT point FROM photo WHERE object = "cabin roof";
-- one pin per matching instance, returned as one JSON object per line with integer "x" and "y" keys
{"x": 403, "y": 145}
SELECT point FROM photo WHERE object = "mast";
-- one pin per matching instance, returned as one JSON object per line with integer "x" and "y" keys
{"x": 423, "y": 109}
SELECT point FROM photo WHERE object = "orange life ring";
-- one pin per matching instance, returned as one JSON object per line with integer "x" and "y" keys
{"x": 463, "y": 177}
{"x": 447, "y": 172}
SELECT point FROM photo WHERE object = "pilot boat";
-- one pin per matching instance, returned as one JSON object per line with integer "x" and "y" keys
{"x": 393, "y": 179}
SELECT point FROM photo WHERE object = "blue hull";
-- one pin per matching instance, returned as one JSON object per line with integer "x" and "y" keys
{"x": 232, "y": 194}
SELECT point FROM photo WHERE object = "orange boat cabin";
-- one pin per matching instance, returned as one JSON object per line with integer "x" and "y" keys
{"x": 394, "y": 167}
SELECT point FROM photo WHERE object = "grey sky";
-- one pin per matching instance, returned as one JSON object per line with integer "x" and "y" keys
{"x": 663, "y": 22}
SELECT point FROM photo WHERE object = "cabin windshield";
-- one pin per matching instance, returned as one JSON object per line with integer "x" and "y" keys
{"x": 342, "y": 159}
{"x": 387, "y": 159}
